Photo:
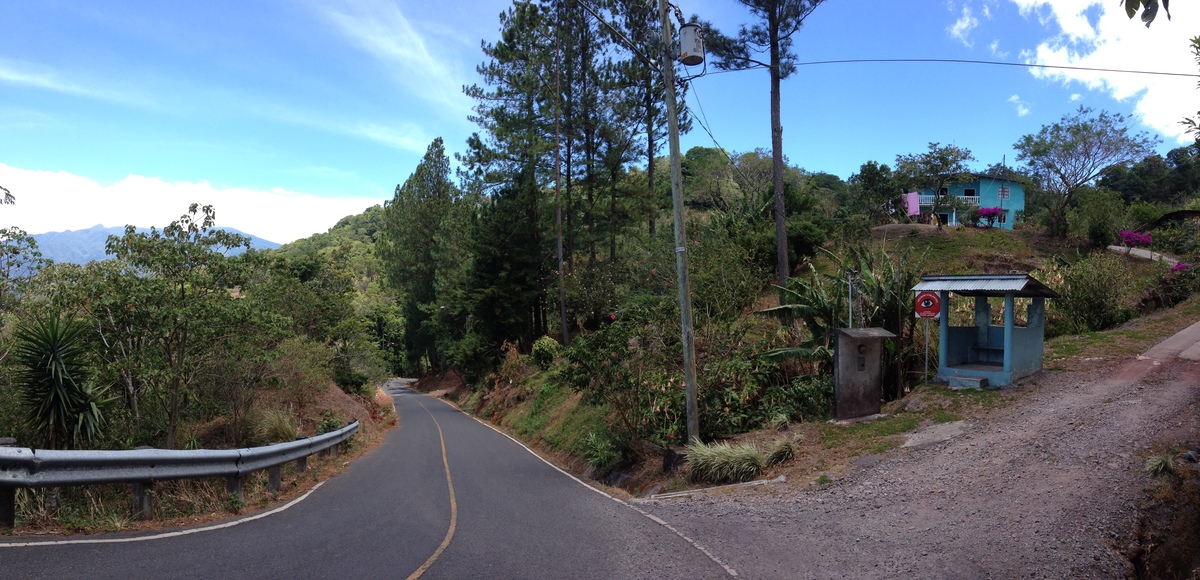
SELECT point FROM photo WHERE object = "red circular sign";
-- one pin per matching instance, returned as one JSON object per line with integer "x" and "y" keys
{"x": 929, "y": 304}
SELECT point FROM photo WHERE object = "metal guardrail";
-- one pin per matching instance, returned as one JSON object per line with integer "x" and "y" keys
{"x": 29, "y": 468}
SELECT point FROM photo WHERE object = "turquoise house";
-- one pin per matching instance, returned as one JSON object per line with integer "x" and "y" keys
{"x": 985, "y": 354}
{"x": 982, "y": 191}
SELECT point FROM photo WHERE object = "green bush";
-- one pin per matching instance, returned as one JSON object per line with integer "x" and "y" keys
{"x": 724, "y": 463}
{"x": 545, "y": 350}
{"x": 601, "y": 453}
{"x": 329, "y": 423}
{"x": 1093, "y": 293}
{"x": 1098, "y": 217}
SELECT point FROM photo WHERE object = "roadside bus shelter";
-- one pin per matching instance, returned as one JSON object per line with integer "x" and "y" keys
{"x": 984, "y": 354}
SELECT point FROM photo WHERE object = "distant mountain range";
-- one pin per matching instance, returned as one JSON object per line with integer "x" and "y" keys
{"x": 83, "y": 246}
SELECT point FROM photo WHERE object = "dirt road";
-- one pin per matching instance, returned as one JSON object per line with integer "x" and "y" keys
{"x": 1046, "y": 487}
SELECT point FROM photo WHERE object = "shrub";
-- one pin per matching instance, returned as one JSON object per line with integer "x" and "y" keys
{"x": 329, "y": 423}
{"x": 601, "y": 453}
{"x": 724, "y": 463}
{"x": 1093, "y": 293}
{"x": 990, "y": 215}
{"x": 545, "y": 350}
{"x": 1135, "y": 239}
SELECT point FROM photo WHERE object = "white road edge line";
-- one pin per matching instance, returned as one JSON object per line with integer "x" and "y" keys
{"x": 175, "y": 534}
{"x": 647, "y": 515}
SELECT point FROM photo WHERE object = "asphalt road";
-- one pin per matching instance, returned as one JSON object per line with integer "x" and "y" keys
{"x": 443, "y": 497}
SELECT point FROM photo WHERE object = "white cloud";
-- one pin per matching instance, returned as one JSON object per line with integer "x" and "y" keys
{"x": 987, "y": 12}
{"x": 379, "y": 28}
{"x": 1116, "y": 42}
{"x": 1075, "y": 97}
{"x": 1022, "y": 106}
{"x": 994, "y": 47}
{"x": 961, "y": 29}
{"x": 58, "y": 201}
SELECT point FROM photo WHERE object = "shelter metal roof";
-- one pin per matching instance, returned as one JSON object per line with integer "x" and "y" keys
{"x": 990, "y": 285}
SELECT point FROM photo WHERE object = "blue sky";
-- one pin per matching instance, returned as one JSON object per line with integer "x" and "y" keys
{"x": 288, "y": 115}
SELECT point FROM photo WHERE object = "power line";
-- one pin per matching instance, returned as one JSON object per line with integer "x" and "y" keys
{"x": 704, "y": 125}
{"x": 985, "y": 62}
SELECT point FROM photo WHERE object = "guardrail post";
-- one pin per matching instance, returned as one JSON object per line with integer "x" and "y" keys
{"x": 233, "y": 485}
{"x": 8, "y": 496}
{"x": 273, "y": 478}
{"x": 143, "y": 500}
{"x": 8, "y": 508}
{"x": 302, "y": 464}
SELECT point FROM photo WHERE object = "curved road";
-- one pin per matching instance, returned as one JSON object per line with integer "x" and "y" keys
{"x": 444, "y": 496}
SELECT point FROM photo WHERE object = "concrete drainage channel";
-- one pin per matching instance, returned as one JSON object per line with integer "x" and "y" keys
{"x": 693, "y": 492}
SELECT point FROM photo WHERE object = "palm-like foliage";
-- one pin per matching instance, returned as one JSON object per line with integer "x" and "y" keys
{"x": 883, "y": 298}
{"x": 51, "y": 369}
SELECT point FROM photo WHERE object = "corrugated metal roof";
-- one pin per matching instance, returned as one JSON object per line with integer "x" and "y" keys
{"x": 991, "y": 285}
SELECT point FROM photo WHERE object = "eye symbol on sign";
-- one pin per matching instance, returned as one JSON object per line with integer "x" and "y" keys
{"x": 926, "y": 302}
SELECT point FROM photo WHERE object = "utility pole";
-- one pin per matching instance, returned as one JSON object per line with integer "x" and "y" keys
{"x": 681, "y": 261}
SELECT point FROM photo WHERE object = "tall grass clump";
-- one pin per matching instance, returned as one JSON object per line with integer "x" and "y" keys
{"x": 724, "y": 463}
{"x": 274, "y": 426}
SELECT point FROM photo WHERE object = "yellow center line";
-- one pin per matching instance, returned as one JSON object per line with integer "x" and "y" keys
{"x": 453, "y": 505}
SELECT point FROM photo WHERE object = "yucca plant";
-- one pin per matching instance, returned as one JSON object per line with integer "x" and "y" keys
{"x": 51, "y": 380}
{"x": 783, "y": 450}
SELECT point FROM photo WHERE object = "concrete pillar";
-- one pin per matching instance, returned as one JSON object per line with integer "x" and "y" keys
{"x": 1037, "y": 313}
{"x": 944, "y": 326}
{"x": 983, "y": 319}
{"x": 1009, "y": 324}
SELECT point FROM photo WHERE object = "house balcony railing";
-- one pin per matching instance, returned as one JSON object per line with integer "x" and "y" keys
{"x": 928, "y": 200}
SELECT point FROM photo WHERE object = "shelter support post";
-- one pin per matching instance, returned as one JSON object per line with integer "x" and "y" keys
{"x": 1009, "y": 324}
{"x": 944, "y": 327}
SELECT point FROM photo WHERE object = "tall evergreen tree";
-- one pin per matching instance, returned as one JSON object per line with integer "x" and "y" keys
{"x": 407, "y": 244}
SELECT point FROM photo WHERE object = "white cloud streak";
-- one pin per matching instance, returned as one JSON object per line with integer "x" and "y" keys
{"x": 58, "y": 201}
{"x": 1116, "y": 42}
{"x": 33, "y": 76}
{"x": 379, "y": 28}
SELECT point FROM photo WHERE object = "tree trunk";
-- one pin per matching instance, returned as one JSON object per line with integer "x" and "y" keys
{"x": 777, "y": 154}
{"x": 653, "y": 197}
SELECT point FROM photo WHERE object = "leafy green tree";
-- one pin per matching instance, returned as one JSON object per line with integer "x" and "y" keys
{"x": 8, "y": 198}
{"x": 1071, "y": 153}
{"x": 708, "y": 177}
{"x": 52, "y": 378}
{"x": 778, "y": 21}
{"x": 873, "y": 193}
{"x": 20, "y": 260}
{"x": 172, "y": 297}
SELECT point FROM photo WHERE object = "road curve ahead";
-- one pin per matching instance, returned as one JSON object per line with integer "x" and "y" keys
{"x": 444, "y": 496}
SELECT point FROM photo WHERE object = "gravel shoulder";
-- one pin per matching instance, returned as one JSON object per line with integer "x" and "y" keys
{"x": 1045, "y": 487}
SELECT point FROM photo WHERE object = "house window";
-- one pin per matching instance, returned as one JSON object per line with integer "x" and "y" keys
{"x": 1003, "y": 217}
{"x": 943, "y": 191}
{"x": 969, "y": 193}
{"x": 944, "y": 218}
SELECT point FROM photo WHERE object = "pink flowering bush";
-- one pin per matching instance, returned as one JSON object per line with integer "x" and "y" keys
{"x": 1135, "y": 239}
{"x": 1179, "y": 267}
{"x": 990, "y": 215}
